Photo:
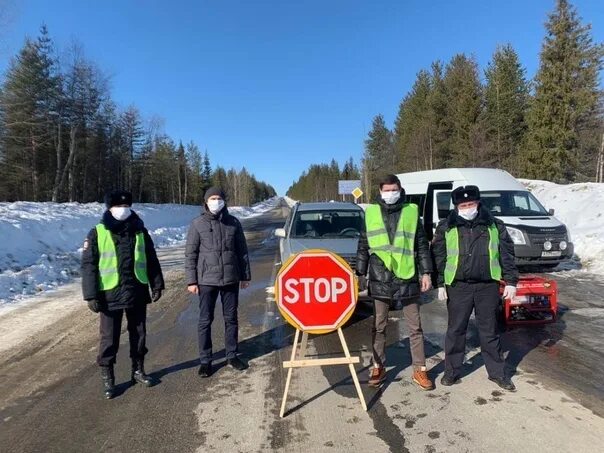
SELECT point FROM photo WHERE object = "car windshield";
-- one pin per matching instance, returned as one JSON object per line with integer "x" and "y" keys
{"x": 324, "y": 224}
{"x": 512, "y": 203}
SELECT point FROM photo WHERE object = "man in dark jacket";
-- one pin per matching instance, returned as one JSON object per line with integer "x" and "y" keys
{"x": 119, "y": 265}
{"x": 473, "y": 253}
{"x": 394, "y": 252}
{"x": 217, "y": 263}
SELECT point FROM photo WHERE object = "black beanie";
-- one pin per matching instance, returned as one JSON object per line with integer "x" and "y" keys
{"x": 465, "y": 194}
{"x": 213, "y": 191}
{"x": 118, "y": 197}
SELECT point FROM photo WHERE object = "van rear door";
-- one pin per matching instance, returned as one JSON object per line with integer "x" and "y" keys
{"x": 437, "y": 205}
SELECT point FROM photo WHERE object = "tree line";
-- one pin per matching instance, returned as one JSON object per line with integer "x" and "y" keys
{"x": 63, "y": 138}
{"x": 320, "y": 181}
{"x": 548, "y": 128}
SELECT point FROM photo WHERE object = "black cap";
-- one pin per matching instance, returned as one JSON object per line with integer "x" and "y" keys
{"x": 465, "y": 194}
{"x": 118, "y": 197}
{"x": 213, "y": 191}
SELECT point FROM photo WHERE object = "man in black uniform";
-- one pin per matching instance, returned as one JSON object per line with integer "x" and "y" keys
{"x": 119, "y": 265}
{"x": 473, "y": 253}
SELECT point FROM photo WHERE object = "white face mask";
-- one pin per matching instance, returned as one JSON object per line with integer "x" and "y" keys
{"x": 120, "y": 212}
{"x": 468, "y": 214}
{"x": 215, "y": 206}
{"x": 391, "y": 197}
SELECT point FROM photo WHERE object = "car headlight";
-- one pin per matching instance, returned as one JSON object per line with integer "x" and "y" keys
{"x": 563, "y": 245}
{"x": 516, "y": 235}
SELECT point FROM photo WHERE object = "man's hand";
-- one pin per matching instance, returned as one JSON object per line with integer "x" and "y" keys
{"x": 244, "y": 285}
{"x": 509, "y": 292}
{"x": 442, "y": 293}
{"x": 426, "y": 283}
{"x": 155, "y": 295}
{"x": 94, "y": 305}
{"x": 193, "y": 289}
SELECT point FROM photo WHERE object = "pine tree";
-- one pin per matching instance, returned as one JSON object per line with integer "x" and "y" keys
{"x": 506, "y": 101}
{"x": 567, "y": 99}
{"x": 350, "y": 171}
{"x": 29, "y": 113}
{"x": 464, "y": 97}
{"x": 182, "y": 174}
{"x": 206, "y": 173}
{"x": 132, "y": 139}
{"x": 195, "y": 165}
{"x": 414, "y": 128}
{"x": 377, "y": 158}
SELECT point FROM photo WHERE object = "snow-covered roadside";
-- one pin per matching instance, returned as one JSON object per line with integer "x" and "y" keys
{"x": 581, "y": 208}
{"x": 40, "y": 243}
{"x": 290, "y": 201}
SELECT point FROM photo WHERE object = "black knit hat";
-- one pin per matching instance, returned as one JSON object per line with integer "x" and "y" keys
{"x": 213, "y": 191}
{"x": 118, "y": 197}
{"x": 465, "y": 194}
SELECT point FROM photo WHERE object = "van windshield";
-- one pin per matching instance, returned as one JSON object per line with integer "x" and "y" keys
{"x": 324, "y": 224}
{"x": 512, "y": 203}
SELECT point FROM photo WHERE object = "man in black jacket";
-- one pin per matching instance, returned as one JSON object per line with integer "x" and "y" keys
{"x": 394, "y": 252}
{"x": 119, "y": 264}
{"x": 473, "y": 253}
{"x": 217, "y": 263}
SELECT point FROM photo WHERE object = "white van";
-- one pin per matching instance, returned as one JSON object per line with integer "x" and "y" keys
{"x": 539, "y": 238}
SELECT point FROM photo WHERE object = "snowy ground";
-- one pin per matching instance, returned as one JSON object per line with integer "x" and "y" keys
{"x": 581, "y": 208}
{"x": 41, "y": 242}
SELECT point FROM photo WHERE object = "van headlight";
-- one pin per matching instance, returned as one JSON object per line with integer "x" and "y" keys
{"x": 516, "y": 235}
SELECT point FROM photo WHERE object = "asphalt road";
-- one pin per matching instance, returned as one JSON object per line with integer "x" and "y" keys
{"x": 50, "y": 396}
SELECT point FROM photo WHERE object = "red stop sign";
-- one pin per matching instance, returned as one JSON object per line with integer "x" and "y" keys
{"x": 316, "y": 291}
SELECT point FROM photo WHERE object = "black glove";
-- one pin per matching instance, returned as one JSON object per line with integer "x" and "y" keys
{"x": 155, "y": 295}
{"x": 94, "y": 305}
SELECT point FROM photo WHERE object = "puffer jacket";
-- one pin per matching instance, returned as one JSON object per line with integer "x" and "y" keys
{"x": 129, "y": 291}
{"x": 474, "y": 262}
{"x": 216, "y": 251}
{"x": 382, "y": 283}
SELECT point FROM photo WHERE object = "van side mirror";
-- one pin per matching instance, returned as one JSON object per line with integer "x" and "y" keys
{"x": 280, "y": 232}
{"x": 551, "y": 211}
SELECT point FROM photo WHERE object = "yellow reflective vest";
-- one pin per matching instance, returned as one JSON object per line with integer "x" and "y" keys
{"x": 398, "y": 256}
{"x": 108, "y": 270}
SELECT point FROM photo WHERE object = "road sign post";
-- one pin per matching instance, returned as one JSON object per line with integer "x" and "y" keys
{"x": 316, "y": 292}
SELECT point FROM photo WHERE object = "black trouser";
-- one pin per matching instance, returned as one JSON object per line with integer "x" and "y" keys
{"x": 229, "y": 295}
{"x": 110, "y": 328}
{"x": 483, "y": 298}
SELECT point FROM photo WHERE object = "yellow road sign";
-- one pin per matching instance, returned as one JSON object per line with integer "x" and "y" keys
{"x": 357, "y": 193}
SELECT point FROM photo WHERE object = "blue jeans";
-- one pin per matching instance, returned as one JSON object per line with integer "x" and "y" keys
{"x": 208, "y": 295}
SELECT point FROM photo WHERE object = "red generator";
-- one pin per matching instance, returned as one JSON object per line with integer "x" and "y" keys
{"x": 536, "y": 301}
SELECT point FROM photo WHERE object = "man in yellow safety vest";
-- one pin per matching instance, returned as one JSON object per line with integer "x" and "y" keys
{"x": 394, "y": 253}
{"x": 473, "y": 253}
{"x": 119, "y": 265}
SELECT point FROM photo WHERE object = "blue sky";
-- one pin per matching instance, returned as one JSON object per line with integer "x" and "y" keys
{"x": 277, "y": 85}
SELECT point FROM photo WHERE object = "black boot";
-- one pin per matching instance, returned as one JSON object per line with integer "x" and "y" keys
{"x": 138, "y": 373}
{"x": 108, "y": 381}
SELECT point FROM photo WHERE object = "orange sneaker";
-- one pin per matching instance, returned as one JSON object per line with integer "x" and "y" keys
{"x": 420, "y": 377}
{"x": 376, "y": 376}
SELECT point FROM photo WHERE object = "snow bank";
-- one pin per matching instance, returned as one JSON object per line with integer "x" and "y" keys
{"x": 581, "y": 208}
{"x": 40, "y": 242}
{"x": 290, "y": 201}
